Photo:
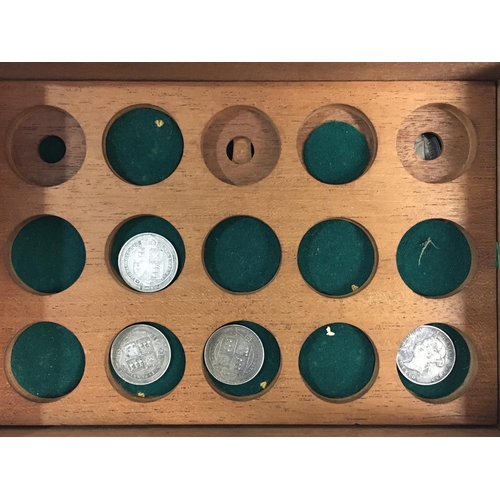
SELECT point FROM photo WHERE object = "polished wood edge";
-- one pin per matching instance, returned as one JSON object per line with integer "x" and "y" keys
{"x": 242, "y": 71}
{"x": 248, "y": 431}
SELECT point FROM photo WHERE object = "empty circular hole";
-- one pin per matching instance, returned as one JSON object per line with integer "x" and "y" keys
{"x": 337, "y": 144}
{"x": 428, "y": 146}
{"x": 46, "y": 146}
{"x": 337, "y": 257}
{"x": 166, "y": 383}
{"x": 48, "y": 254}
{"x": 434, "y": 258}
{"x": 240, "y": 150}
{"x": 241, "y": 145}
{"x": 143, "y": 145}
{"x": 144, "y": 224}
{"x": 455, "y": 383}
{"x": 338, "y": 362}
{"x": 266, "y": 376}
{"x": 442, "y": 153}
{"x": 242, "y": 254}
{"x": 52, "y": 149}
{"x": 45, "y": 361}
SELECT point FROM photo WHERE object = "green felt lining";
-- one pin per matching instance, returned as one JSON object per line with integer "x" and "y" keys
{"x": 336, "y": 153}
{"x": 52, "y": 149}
{"x": 47, "y": 360}
{"x": 268, "y": 372}
{"x": 147, "y": 224}
{"x": 169, "y": 380}
{"x": 337, "y": 366}
{"x": 242, "y": 254}
{"x": 334, "y": 255}
{"x": 441, "y": 270}
{"x": 144, "y": 146}
{"x": 457, "y": 376}
{"x": 48, "y": 254}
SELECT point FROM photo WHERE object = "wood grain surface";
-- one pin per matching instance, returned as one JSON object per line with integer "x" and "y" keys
{"x": 386, "y": 200}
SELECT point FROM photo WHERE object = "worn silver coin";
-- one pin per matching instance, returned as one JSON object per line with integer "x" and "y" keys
{"x": 140, "y": 354}
{"x": 148, "y": 262}
{"x": 234, "y": 354}
{"x": 426, "y": 356}
{"x": 428, "y": 146}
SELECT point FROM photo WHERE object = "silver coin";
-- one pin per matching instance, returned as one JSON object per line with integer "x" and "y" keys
{"x": 426, "y": 356}
{"x": 234, "y": 354}
{"x": 428, "y": 146}
{"x": 140, "y": 354}
{"x": 148, "y": 262}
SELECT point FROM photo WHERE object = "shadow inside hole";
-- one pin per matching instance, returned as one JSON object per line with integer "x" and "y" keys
{"x": 267, "y": 375}
{"x": 454, "y": 384}
{"x": 52, "y": 149}
{"x": 428, "y": 146}
{"x": 165, "y": 384}
{"x": 145, "y": 224}
{"x": 245, "y": 150}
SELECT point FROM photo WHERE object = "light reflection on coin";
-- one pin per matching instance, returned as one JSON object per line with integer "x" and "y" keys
{"x": 426, "y": 356}
{"x": 140, "y": 354}
{"x": 148, "y": 262}
{"x": 234, "y": 354}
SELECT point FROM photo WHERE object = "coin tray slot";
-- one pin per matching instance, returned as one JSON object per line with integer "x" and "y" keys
{"x": 47, "y": 255}
{"x": 436, "y": 258}
{"x": 242, "y": 254}
{"x": 143, "y": 145}
{"x": 338, "y": 362}
{"x": 241, "y": 145}
{"x": 143, "y": 224}
{"x": 161, "y": 387}
{"x": 337, "y": 144}
{"x": 457, "y": 381}
{"x": 456, "y": 135}
{"x": 46, "y": 146}
{"x": 337, "y": 257}
{"x": 44, "y": 362}
{"x": 267, "y": 375}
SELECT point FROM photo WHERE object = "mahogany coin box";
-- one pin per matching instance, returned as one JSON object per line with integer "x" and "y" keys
{"x": 299, "y": 207}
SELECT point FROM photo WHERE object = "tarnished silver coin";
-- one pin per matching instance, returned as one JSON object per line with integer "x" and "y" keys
{"x": 140, "y": 354}
{"x": 428, "y": 146}
{"x": 426, "y": 356}
{"x": 148, "y": 262}
{"x": 234, "y": 354}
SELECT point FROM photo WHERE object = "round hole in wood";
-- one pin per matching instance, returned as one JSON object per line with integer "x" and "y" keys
{"x": 47, "y": 255}
{"x": 242, "y": 254}
{"x": 460, "y": 377}
{"x": 338, "y": 362}
{"x": 454, "y": 133}
{"x": 44, "y": 362}
{"x": 46, "y": 146}
{"x": 265, "y": 378}
{"x": 337, "y": 144}
{"x": 251, "y": 138}
{"x": 159, "y": 388}
{"x": 436, "y": 258}
{"x": 337, "y": 257}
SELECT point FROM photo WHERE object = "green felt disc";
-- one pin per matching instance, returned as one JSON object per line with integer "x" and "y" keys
{"x": 337, "y": 360}
{"x": 47, "y": 360}
{"x": 242, "y": 254}
{"x": 48, "y": 254}
{"x": 147, "y": 224}
{"x": 266, "y": 375}
{"x": 52, "y": 149}
{"x": 457, "y": 375}
{"x": 336, "y": 257}
{"x": 434, "y": 257}
{"x": 144, "y": 146}
{"x": 336, "y": 153}
{"x": 169, "y": 380}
